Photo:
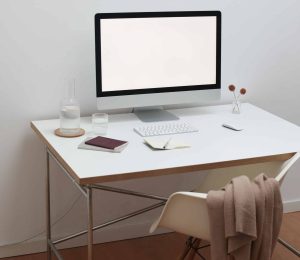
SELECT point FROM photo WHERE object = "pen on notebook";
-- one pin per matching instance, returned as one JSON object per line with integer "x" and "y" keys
{"x": 167, "y": 143}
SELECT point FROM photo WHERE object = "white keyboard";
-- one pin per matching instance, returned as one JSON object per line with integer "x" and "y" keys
{"x": 165, "y": 129}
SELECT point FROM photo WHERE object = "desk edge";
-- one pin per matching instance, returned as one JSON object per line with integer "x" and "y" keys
{"x": 56, "y": 155}
{"x": 184, "y": 169}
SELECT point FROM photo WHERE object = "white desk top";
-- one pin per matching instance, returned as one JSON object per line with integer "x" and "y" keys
{"x": 265, "y": 138}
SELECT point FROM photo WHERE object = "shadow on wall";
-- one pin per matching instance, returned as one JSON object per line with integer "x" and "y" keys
{"x": 23, "y": 187}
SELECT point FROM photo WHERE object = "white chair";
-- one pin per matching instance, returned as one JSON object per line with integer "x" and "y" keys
{"x": 187, "y": 213}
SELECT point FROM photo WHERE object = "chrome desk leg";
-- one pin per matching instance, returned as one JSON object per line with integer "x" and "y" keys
{"x": 90, "y": 221}
{"x": 289, "y": 247}
{"x": 48, "y": 207}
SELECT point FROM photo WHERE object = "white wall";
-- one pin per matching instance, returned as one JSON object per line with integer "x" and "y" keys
{"x": 42, "y": 43}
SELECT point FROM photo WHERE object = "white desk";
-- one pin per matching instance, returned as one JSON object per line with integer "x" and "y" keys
{"x": 265, "y": 138}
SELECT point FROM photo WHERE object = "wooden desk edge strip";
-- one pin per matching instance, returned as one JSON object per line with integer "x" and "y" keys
{"x": 57, "y": 156}
{"x": 184, "y": 169}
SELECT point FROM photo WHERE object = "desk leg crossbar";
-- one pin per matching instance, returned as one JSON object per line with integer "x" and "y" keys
{"x": 87, "y": 191}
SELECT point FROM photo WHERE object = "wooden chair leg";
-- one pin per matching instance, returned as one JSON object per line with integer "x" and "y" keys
{"x": 187, "y": 248}
{"x": 192, "y": 253}
{"x": 189, "y": 253}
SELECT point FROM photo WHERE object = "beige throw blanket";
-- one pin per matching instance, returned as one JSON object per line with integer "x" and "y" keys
{"x": 245, "y": 219}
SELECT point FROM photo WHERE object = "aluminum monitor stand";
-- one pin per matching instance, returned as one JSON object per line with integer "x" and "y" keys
{"x": 154, "y": 114}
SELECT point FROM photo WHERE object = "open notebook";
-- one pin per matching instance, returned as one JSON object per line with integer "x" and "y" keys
{"x": 165, "y": 143}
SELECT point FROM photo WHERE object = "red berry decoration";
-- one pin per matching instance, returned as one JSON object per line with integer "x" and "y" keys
{"x": 231, "y": 87}
{"x": 236, "y": 102}
{"x": 243, "y": 91}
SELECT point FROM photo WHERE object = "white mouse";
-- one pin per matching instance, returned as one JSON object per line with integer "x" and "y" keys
{"x": 233, "y": 126}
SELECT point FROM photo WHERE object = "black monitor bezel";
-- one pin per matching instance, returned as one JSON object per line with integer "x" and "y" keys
{"x": 100, "y": 16}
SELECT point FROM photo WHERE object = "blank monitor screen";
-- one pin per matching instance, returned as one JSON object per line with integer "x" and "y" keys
{"x": 159, "y": 53}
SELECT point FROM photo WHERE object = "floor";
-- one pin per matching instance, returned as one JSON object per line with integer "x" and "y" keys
{"x": 169, "y": 246}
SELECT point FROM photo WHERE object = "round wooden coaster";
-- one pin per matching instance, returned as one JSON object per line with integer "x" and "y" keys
{"x": 69, "y": 135}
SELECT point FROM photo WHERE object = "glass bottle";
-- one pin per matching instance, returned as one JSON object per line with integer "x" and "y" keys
{"x": 69, "y": 111}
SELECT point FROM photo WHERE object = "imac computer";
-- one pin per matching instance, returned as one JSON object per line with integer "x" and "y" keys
{"x": 146, "y": 60}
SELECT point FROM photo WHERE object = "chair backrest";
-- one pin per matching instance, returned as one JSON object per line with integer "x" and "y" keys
{"x": 186, "y": 213}
{"x": 286, "y": 166}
